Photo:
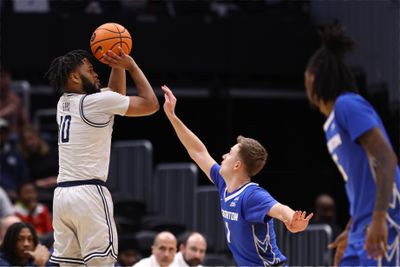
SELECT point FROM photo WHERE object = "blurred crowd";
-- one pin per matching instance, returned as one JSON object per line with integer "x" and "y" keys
{"x": 146, "y": 7}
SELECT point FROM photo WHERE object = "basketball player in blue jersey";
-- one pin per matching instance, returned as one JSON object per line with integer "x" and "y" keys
{"x": 246, "y": 208}
{"x": 84, "y": 227}
{"x": 360, "y": 147}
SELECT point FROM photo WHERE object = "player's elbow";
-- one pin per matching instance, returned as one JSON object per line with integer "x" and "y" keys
{"x": 149, "y": 107}
{"x": 192, "y": 154}
{"x": 142, "y": 110}
{"x": 152, "y": 107}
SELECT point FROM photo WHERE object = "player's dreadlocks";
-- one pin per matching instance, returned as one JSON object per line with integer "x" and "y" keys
{"x": 61, "y": 67}
{"x": 332, "y": 75}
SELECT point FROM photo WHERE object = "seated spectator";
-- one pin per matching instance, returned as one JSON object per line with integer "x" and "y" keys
{"x": 128, "y": 253}
{"x": 325, "y": 213}
{"x": 11, "y": 106}
{"x": 192, "y": 250}
{"x": 13, "y": 169}
{"x": 5, "y": 223}
{"x": 7, "y": 216}
{"x": 21, "y": 247}
{"x": 6, "y": 207}
{"x": 162, "y": 251}
{"x": 42, "y": 159}
{"x": 29, "y": 210}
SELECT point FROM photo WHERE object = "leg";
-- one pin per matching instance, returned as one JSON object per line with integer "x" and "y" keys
{"x": 66, "y": 246}
{"x": 98, "y": 235}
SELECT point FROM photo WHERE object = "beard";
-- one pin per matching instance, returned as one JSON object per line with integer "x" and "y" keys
{"x": 88, "y": 87}
{"x": 193, "y": 261}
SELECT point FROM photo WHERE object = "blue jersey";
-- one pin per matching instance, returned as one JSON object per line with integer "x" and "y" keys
{"x": 351, "y": 117}
{"x": 249, "y": 231}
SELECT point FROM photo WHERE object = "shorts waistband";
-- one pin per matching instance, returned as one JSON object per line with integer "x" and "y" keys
{"x": 82, "y": 182}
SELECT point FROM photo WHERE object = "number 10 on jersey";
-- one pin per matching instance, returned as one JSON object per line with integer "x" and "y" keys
{"x": 65, "y": 123}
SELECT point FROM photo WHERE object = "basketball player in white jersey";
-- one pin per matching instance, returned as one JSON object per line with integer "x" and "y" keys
{"x": 84, "y": 228}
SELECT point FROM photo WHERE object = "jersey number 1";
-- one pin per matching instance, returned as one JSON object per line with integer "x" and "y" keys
{"x": 228, "y": 233}
{"x": 340, "y": 167}
{"x": 65, "y": 123}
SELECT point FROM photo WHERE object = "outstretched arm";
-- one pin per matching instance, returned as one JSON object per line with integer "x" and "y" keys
{"x": 295, "y": 221}
{"x": 384, "y": 164}
{"x": 196, "y": 149}
{"x": 146, "y": 102}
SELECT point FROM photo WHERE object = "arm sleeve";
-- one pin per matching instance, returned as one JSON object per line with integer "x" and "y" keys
{"x": 217, "y": 178}
{"x": 355, "y": 115}
{"x": 257, "y": 205}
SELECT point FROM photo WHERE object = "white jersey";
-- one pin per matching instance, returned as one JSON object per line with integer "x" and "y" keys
{"x": 151, "y": 262}
{"x": 85, "y": 128}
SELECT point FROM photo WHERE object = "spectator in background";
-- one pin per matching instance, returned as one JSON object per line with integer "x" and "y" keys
{"x": 21, "y": 247}
{"x": 42, "y": 159}
{"x": 162, "y": 251}
{"x": 7, "y": 216}
{"x": 128, "y": 254}
{"x": 5, "y": 223}
{"x": 192, "y": 250}
{"x": 6, "y": 208}
{"x": 29, "y": 210}
{"x": 325, "y": 213}
{"x": 13, "y": 169}
{"x": 11, "y": 106}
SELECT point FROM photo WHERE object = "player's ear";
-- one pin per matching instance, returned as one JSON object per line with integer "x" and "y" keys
{"x": 75, "y": 77}
{"x": 238, "y": 164}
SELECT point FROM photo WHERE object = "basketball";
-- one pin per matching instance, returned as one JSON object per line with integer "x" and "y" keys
{"x": 110, "y": 36}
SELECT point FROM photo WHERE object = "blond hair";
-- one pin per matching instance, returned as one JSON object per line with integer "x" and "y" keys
{"x": 253, "y": 154}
